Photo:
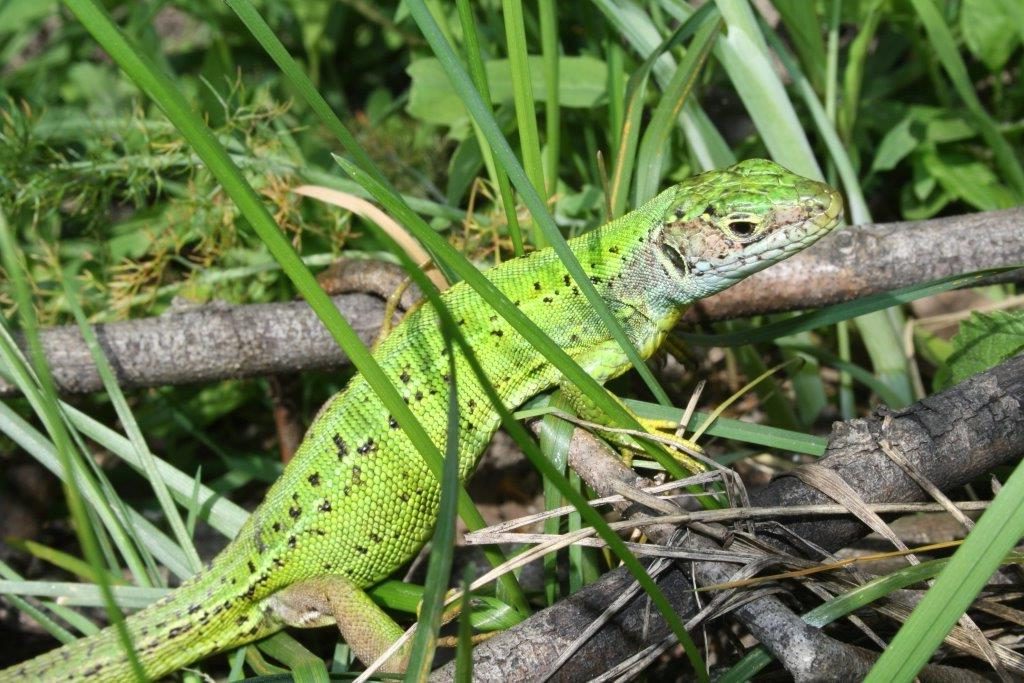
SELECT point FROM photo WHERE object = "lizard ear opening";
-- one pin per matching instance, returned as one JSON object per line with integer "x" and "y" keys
{"x": 675, "y": 257}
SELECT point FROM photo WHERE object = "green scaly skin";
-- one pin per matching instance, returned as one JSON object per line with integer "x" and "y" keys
{"x": 357, "y": 501}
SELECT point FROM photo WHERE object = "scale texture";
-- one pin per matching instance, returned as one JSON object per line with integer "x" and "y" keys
{"x": 357, "y": 501}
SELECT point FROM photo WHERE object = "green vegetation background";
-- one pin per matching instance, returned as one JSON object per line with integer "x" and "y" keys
{"x": 914, "y": 108}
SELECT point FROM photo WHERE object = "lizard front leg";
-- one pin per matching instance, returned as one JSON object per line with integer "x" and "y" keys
{"x": 586, "y": 409}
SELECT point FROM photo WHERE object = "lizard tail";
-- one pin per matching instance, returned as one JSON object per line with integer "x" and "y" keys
{"x": 164, "y": 635}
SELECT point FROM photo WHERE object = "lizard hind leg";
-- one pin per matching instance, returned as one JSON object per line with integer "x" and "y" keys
{"x": 335, "y": 599}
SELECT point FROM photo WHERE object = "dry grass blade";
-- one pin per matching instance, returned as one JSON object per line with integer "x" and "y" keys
{"x": 922, "y": 480}
{"x": 501, "y": 532}
{"x": 369, "y": 211}
{"x": 971, "y": 629}
{"x": 634, "y": 589}
{"x": 960, "y": 638}
{"x": 831, "y": 484}
{"x": 830, "y": 566}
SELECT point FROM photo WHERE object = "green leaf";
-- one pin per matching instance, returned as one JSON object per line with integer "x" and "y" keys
{"x": 487, "y": 613}
{"x": 941, "y": 38}
{"x": 17, "y": 14}
{"x": 896, "y": 145}
{"x": 654, "y": 145}
{"x": 920, "y": 127}
{"x": 944, "y": 126}
{"x": 582, "y": 83}
{"x": 922, "y": 197}
{"x": 844, "y": 311}
{"x": 305, "y": 667}
{"x": 804, "y": 27}
{"x": 985, "y": 340}
{"x": 963, "y": 176}
{"x": 989, "y": 30}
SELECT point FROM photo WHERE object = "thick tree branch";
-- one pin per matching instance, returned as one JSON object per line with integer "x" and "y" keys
{"x": 218, "y": 341}
{"x": 206, "y": 343}
{"x": 952, "y": 437}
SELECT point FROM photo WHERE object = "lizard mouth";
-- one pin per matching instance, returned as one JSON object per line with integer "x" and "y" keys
{"x": 822, "y": 220}
{"x": 808, "y": 221}
{"x": 829, "y": 218}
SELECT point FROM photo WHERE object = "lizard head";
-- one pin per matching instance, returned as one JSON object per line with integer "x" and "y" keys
{"x": 724, "y": 225}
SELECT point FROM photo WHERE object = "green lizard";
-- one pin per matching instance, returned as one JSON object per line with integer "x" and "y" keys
{"x": 357, "y": 501}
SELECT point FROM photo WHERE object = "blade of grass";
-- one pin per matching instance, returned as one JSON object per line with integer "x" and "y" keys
{"x": 14, "y": 587}
{"x": 548, "y": 14}
{"x": 488, "y": 613}
{"x": 219, "y": 512}
{"x": 505, "y": 156}
{"x": 945, "y": 47}
{"x": 222, "y": 514}
{"x": 743, "y": 54}
{"x": 880, "y": 330}
{"x": 654, "y": 145}
{"x": 636, "y": 28}
{"x": 96, "y": 490}
{"x": 723, "y": 427}
{"x": 884, "y": 392}
{"x": 555, "y": 436}
{"x": 522, "y": 97}
{"x": 464, "y": 653}
{"x": 518, "y": 432}
{"x": 636, "y": 89}
{"x": 131, "y": 428}
{"x": 50, "y": 414}
{"x": 616, "y": 97}
{"x": 442, "y": 549}
{"x": 554, "y": 444}
{"x": 762, "y": 435}
{"x": 269, "y": 41}
{"x": 44, "y": 452}
{"x": 450, "y": 331}
{"x": 804, "y": 29}
{"x": 847, "y": 603}
{"x": 66, "y": 562}
{"x": 997, "y": 532}
{"x": 506, "y": 309}
{"x": 474, "y": 60}
{"x": 162, "y": 90}
{"x": 870, "y": 15}
{"x": 304, "y": 666}
{"x": 824, "y": 119}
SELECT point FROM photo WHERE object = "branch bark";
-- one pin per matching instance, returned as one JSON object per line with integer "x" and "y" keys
{"x": 952, "y": 437}
{"x": 217, "y": 341}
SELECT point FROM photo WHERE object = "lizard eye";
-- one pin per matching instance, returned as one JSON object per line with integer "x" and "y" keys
{"x": 742, "y": 228}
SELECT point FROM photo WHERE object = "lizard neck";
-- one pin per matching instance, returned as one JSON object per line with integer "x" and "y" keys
{"x": 632, "y": 277}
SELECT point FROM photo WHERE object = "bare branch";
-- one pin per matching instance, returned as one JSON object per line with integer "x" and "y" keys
{"x": 218, "y": 341}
